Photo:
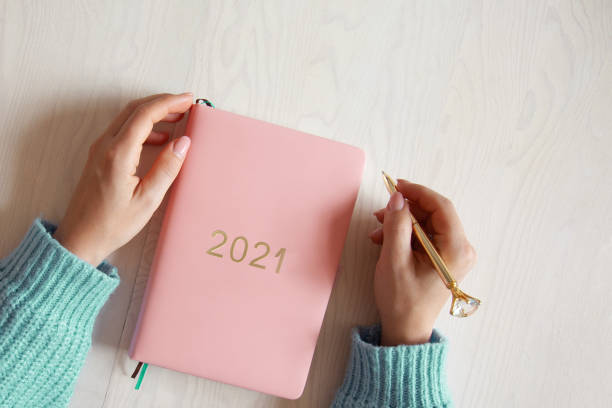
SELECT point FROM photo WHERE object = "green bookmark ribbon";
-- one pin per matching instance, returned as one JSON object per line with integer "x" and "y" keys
{"x": 141, "y": 376}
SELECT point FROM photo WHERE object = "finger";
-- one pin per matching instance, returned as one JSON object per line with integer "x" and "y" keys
{"x": 380, "y": 215}
{"x": 125, "y": 113}
{"x": 157, "y": 138}
{"x": 444, "y": 220}
{"x": 397, "y": 230}
{"x": 173, "y": 117}
{"x": 140, "y": 123}
{"x": 420, "y": 214}
{"x": 166, "y": 167}
{"x": 377, "y": 236}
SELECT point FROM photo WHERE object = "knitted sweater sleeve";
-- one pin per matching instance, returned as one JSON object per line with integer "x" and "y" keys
{"x": 401, "y": 376}
{"x": 49, "y": 299}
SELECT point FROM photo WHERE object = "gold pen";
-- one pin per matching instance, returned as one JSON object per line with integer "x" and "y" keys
{"x": 462, "y": 305}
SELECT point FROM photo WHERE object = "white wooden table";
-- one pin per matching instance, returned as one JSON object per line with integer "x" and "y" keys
{"x": 505, "y": 107}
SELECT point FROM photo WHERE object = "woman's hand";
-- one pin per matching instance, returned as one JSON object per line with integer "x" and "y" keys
{"x": 409, "y": 293}
{"x": 111, "y": 204}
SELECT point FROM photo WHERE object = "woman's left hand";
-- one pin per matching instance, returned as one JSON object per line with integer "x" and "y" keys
{"x": 111, "y": 204}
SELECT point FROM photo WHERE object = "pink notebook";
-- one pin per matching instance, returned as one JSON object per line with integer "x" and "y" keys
{"x": 248, "y": 252}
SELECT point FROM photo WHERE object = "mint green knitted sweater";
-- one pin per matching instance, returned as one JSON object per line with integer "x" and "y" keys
{"x": 49, "y": 300}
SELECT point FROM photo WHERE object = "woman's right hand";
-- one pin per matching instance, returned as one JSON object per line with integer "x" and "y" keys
{"x": 409, "y": 293}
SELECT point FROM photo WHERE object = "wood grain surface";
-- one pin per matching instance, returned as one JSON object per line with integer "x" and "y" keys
{"x": 503, "y": 106}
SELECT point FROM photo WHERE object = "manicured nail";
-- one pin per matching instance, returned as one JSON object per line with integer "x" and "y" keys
{"x": 186, "y": 93}
{"x": 181, "y": 145}
{"x": 396, "y": 202}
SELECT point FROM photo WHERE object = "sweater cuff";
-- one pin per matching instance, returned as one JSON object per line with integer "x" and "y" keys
{"x": 404, "y": 375}
{"x": 52, "y": 282}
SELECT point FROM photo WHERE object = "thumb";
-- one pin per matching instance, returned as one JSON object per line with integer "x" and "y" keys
{"x": 164, "y": 170}
{"x": 397, "y": 230}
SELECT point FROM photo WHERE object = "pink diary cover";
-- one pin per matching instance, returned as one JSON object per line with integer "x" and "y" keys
{"x": 247, "y": 253}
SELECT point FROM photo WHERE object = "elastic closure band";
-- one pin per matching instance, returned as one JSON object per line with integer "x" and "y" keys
{"x": 206, "y": 102}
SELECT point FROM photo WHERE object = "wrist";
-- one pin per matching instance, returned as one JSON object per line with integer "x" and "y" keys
{"x": 390, "y": 338}
{"x": 408, "y": 331}
{"x": 77, "y": 248}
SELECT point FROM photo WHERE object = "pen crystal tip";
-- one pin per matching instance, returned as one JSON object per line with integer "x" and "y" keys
{"x": 464, "y": 307}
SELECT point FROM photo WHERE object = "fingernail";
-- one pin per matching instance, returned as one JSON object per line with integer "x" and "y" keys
{"x": 403, "y": 181}
{"x": 181, "y": 145}
{"x": 396, "y": 202}
{"x": 186, "y": 93}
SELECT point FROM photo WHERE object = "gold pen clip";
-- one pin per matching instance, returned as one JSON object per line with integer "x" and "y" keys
{"x": 462, "y": 305}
